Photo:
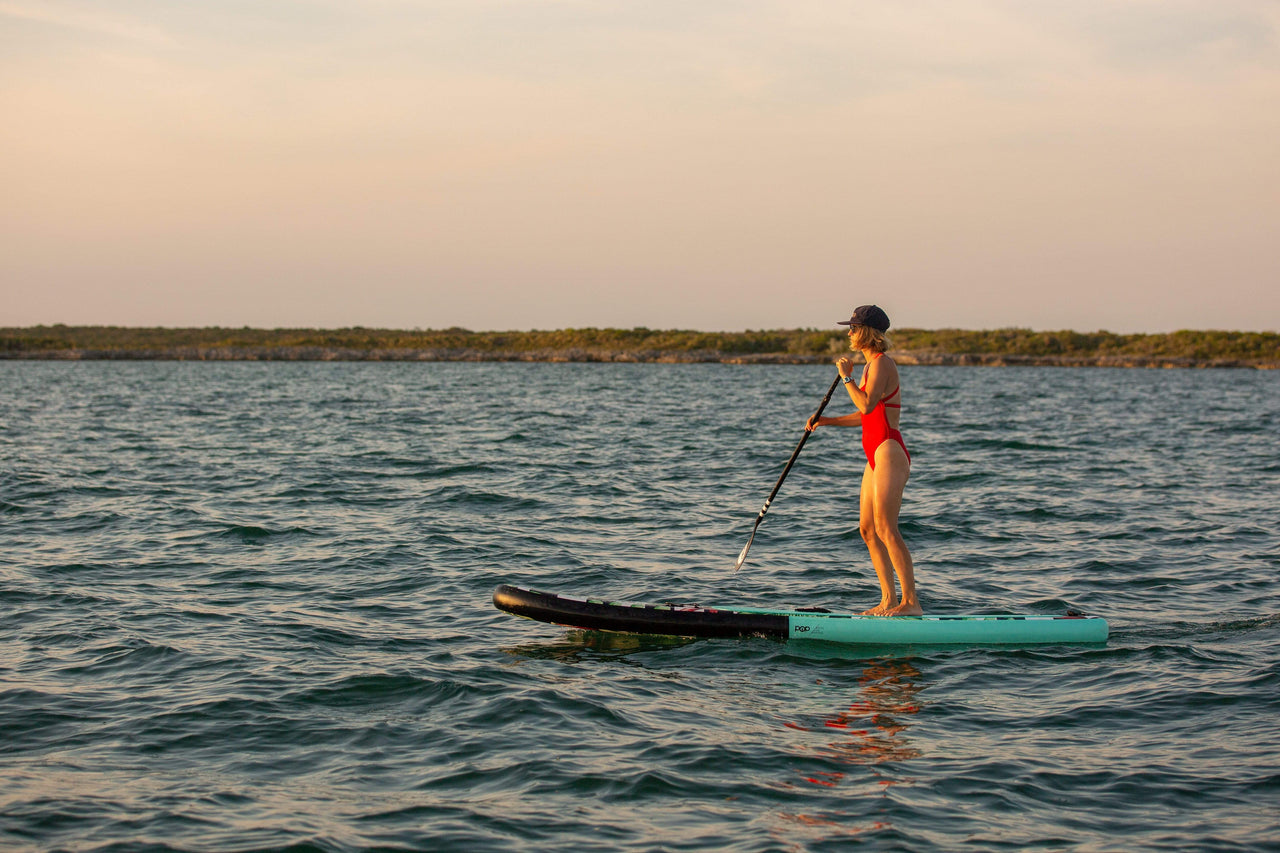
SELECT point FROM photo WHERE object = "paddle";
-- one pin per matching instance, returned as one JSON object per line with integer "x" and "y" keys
{"x": 759, "y": 518}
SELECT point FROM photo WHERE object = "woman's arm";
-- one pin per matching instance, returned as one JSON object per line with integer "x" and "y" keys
{"x": 852, "y": 420}
{"x": 879, "y": 372}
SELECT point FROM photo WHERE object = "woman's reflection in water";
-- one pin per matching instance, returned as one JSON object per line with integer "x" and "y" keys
{"x": 877, "y": 719}
{"x": 871, "y": 732}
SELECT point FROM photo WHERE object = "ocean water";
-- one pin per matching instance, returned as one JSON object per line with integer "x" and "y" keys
{"x": 247, "y": 607}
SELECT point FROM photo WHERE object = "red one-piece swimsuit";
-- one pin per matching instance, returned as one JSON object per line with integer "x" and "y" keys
{"x": 875, "y": 425}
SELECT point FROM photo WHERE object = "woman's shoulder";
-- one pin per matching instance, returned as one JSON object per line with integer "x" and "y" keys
{"x": 884, "y": 361}
{"x": 884, "y": 364}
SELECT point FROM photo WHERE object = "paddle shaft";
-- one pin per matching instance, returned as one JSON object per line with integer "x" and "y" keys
{"x": 787, "y": 470}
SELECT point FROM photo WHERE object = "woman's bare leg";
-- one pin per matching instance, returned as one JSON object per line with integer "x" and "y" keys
{"x": 892, "y": 471}
{"x": 880, "y": 557}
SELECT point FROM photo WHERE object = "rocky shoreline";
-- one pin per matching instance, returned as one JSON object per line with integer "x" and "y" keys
{"x": 316, "y": 353}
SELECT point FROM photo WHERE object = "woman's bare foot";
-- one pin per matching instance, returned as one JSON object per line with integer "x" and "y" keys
{"x": 905, "y": 609}
{"x": 881, "y": 609}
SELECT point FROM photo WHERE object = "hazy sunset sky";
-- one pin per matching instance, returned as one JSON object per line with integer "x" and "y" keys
{"x": 1086, "y": 164}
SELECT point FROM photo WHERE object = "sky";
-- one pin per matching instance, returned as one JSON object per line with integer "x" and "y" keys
{"x": 718, "y": 165}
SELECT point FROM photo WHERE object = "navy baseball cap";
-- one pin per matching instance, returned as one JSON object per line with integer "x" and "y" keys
{"x": 868, "y": 315}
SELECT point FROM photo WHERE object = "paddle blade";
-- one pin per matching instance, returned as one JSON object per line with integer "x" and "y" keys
{"x": 742, "y": 558}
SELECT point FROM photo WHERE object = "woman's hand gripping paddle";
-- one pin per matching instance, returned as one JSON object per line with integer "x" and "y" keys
{"x": 759, "y": 518}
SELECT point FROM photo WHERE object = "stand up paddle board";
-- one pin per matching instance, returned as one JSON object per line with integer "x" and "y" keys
{"x": 690, "y": 620}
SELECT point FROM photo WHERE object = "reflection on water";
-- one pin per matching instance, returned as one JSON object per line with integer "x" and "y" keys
{"x": 575, "y": 642}
{"x": 871, "y": 732}
{"x": 865, "y": 736}
{"x": 872, "y": 729}
{"x": 875, "y": 723}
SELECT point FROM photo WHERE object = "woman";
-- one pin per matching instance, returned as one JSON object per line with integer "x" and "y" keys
{"x": 878, "y": 401}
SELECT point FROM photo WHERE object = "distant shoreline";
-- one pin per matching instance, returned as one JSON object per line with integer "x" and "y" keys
{"x": 999, "y": 348}
{"x": 904, "y": 357}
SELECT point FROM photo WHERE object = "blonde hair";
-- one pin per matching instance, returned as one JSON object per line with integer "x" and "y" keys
{"x": 865, "y": 337}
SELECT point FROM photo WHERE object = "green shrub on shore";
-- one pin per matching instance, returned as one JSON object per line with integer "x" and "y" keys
{"x": 1193, "y": 345}
{"x": 1200, "y": 345}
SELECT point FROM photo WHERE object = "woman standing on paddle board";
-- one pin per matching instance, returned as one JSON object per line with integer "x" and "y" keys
{"x": 878, "y": 400}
